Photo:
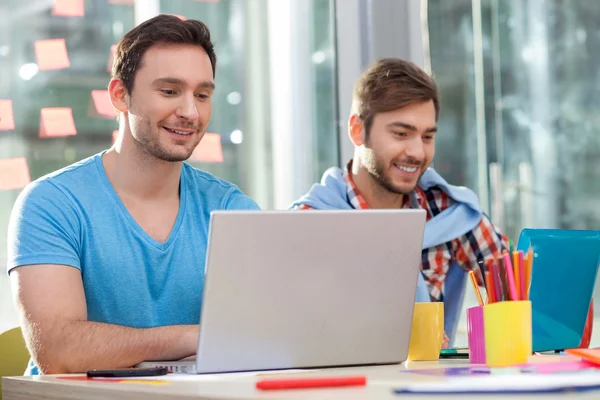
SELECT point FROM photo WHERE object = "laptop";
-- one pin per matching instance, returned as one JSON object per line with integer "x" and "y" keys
{"x": 306, "y": 289}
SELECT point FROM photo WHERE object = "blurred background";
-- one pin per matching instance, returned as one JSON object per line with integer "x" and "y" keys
{"x": 518, "y": 125}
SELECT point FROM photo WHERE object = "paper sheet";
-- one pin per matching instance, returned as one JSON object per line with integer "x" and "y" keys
{"x": 515, "y": 383}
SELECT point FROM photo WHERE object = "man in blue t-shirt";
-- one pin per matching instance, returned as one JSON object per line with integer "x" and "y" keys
{"x": 106, "y": 256}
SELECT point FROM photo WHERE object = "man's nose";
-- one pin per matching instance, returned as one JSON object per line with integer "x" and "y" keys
{"x": 187, "y": 108}
{"x": 415, "y": 149}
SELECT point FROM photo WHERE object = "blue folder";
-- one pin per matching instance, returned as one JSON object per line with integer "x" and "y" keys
{"x": 562, "y": 284}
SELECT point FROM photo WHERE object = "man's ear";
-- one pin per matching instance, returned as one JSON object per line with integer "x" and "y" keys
{"x": 356, "y": 130}
{"x": 118, "y": 95}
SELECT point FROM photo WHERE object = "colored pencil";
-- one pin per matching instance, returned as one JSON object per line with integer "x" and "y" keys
{"x": 498, "y": 281}
{"x": 529, "y": 270}
{"x": 517, "y": 273}
{"x": 522, "y": 289}
{"x": 510, "y": 277}
{"x": 489, "y": 288}
{"x": 476, "y": 287}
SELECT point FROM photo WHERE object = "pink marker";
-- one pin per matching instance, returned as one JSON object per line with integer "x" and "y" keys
{"x": 511, "y": 277}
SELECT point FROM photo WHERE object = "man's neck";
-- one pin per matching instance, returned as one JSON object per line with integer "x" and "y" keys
{"x": 135, "y": 173}
{"x": 374, "y": 194}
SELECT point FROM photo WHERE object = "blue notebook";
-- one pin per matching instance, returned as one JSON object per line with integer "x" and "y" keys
{"x": 562, "y": 283}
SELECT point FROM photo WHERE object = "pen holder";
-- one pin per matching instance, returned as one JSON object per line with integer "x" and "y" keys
{"x": 475, "y": 335}
{"x": 507, "y": 326}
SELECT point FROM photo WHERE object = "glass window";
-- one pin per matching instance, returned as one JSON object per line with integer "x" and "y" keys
{"x": 55, "y": 67}
{"x": 531, "y": 67}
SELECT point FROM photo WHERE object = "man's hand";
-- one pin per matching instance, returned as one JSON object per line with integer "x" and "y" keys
{"x": 445, "y": 341}
{"x": 53, "y": 311}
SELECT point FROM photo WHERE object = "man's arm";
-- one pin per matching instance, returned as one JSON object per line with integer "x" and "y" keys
{"x": 52, "y": 306}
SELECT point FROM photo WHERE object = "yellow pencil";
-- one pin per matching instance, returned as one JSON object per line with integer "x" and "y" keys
{"x": 476, "y": 287}
{"x": 528, "y": 270}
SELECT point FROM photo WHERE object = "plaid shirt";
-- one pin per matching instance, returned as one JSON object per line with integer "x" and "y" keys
{"x": 480, "y": 244}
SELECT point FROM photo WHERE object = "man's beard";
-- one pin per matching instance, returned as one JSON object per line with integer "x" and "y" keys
{"x": 151, "y": 143}
{"x": 379, "y": 172}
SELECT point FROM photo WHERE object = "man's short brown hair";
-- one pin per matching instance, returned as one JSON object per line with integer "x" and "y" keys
{"x": 160, "y": 30}
{"x": 388, "y": 85}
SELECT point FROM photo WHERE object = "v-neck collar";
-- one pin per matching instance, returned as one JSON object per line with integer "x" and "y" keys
{"x": 136, "y": 227}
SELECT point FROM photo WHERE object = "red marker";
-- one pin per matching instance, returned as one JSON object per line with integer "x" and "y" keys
{"x": 306, "y": 383}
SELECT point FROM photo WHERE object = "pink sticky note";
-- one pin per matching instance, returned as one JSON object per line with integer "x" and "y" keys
{"x": 111, "y": 58}
{"x": 56, "y": 122}
{"x": 14, "y": 173}
{"x": 115, "y": 135}
{"x": 7, "y": 120}
{"x": 68, "y": 8}
{"x": 209, "y": 149}
{"x": 100, "y": 105}
{"x": 181, "y": 17}
{"x": 51, "y": 54}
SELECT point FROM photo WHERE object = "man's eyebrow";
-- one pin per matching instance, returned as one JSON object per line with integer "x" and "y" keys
{"x": 174, "y": 81}
{"x": 181, "y": 82}
{"x": 398, "y": 124}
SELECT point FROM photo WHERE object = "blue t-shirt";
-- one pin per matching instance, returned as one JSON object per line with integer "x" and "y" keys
{"x": 74, "y": 217}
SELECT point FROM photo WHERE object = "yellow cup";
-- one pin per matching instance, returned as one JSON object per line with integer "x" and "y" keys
{"x": 427, "y": 332}
{"x": 507, "y": 327}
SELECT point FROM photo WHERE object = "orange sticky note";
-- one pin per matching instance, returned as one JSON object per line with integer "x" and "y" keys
{"x": 57, "y": 122}
{"x": 111, "y": 58}
{"x": 209, "y": 149}
{"x": 14, "y": 173}
{"x": 7, "y": 119}
{"x": 51, "y": 54}
{"x": 68, "y": 8}
{"x": 100, "y": 105}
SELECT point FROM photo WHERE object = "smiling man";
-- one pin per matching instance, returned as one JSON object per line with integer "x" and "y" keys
{"x": 106, "y": 256}
{"x": 393, "y": 125}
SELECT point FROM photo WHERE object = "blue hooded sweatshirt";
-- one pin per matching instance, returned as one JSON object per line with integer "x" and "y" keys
{"x": 453, "y": 222}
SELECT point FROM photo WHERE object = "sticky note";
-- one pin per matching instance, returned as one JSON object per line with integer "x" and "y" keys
{"x": 100, "y": 105}
{"x": 209, "y": 149}
{"x": 68, "y": 8}
{"x": 131, "y": 2}
{"x": 14, "y": 173}
{"x": 57, "y": 122}
{"x": 111, "y": 58}
{"x": 181, "y": 17}
{"x": 7, "y": 120}
{"x": 115, "y": 135}
{"x": 51, "y": 54}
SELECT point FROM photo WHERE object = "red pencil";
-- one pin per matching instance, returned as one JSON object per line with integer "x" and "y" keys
{"x": 306, "y": 383}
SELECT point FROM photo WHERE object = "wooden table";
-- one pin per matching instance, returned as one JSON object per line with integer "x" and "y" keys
{"x": 381, "y": 380}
